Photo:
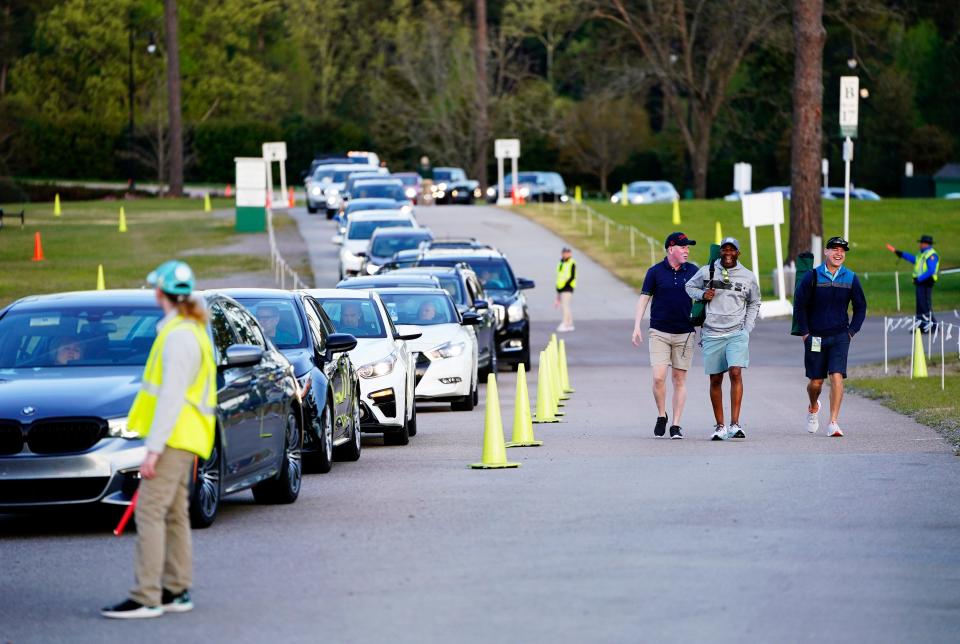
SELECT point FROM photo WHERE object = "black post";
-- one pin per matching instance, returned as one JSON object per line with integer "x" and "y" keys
{"x": 130, "y": 88}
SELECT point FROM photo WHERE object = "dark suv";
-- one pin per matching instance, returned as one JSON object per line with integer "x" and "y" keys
{"x": 500, "y": 285}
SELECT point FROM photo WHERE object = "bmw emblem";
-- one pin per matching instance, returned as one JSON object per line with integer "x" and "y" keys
{"x": 28, "y": 411}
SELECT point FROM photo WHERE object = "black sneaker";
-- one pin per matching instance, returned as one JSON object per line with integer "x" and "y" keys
{"x": 131, "y": 610}
{"x": 661, "y": 427}
{"x": 179, "y": 603}
{"x": 675, "y": 432}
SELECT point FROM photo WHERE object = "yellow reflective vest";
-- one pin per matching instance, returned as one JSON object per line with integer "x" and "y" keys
{"x": 920, "y": 266}
{"x": 195, "y": 426}
{"x": 564, "y": 271}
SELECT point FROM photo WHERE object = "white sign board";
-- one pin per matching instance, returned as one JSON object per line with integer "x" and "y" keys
{"x": 506, "y": 148}
{"x": 251, "y": 181}
{"x": 762, "y": 209}
{"x": 275, "y": 151}
{"x": 849, "y": 105}
{"x": 742, "y": 178}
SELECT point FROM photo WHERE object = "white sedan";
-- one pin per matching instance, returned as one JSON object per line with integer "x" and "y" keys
{"x": 446, "y": 352}
{"x": 359, "y": 229}
{"x": 382, "y": 360}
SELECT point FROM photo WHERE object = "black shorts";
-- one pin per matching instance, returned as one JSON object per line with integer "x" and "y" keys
{"x": 832, "y": 357}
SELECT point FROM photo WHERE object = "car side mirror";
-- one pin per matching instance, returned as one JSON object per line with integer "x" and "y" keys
{"x": 470, "y": 319}
{"x": 340, "y": 342}
{"x": 525, "y": 284}
{"x": 243, "y": 355}
{"x": 408, "y": 332}
{"x": 361, "y": 253}
{"x": 337, "y": 239}
{"x": 481, "y": 305}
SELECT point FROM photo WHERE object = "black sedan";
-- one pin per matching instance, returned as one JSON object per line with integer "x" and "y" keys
{"x": 70, "y": 366}
{"x": 330, "y": 387}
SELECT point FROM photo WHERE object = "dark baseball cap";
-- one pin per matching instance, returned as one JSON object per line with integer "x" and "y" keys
{"x": 678, "y": 239}
{"x": 926, "y": 239}
{"x": 838, "y": 242}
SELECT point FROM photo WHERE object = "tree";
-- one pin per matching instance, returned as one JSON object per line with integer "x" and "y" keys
{"x": 806, "y": 214}
{"x": 601, "y": 133}
{"x": 694, "y": 51}
{"x": 481, "y": 58}
{"x": 173, "y": 97}
{"x": 550, "y": 22}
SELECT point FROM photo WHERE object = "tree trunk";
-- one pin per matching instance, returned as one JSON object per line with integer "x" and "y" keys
{"x": 700, "y": 154}
{"x": 806, "y": 213}
{"x": 604, "y": 173}
{"x": 173, "y": 98}
{"x": 482, "y": 131}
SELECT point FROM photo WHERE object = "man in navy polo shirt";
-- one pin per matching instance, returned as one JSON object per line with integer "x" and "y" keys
{"x": 671, "y": 334}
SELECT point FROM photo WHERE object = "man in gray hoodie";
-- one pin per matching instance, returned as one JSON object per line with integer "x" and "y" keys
{"x": 732, "y": 305}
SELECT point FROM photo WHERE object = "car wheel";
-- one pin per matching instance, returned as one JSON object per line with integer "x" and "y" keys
{"x": 398, "y": 437}
{"x": 412, "y": 425}
{"x": 285, "y": 488}
{"x": 351, "y": 450}
{"x": 468, "y": 402}
{"x": 207, "y": 489}
{"x": 323, "y": 458}
{"x": 311, "y": 209}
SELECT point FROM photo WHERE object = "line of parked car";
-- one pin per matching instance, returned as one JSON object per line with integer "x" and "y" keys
{"x": 301, "y": 374}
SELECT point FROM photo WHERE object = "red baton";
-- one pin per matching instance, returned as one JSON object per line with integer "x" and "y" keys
{"x": 127, "y": 514}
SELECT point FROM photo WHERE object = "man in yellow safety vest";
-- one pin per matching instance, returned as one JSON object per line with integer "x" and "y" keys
{"x": 926, "y": 271}
{"x": 566, "y": 282}
{"x": 174, "y": 412}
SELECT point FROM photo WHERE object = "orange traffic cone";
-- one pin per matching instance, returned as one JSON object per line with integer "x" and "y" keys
{"x": 228, "y": 192}
{"x": 291, "y": 200}
{"x": 37, "y": 248}
{"x": 269, "y": 195}
{"x": 513, "y": 195}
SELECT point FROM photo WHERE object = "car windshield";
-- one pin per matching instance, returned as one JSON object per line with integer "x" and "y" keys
{"x": 523, "y": 177}
{"x": 378, "y": 191}
{"x": 359, "y": 318}
{"x": 370, "y": 205}
{"x": 387, "y": 245}
{"x": 494, "y": 272}
{"x": 407, "y": 179}
{"x": 424, "y": 309}
{"x": 364, "y": 229}
{"x": 330, "y": 175}
{"x": 640, "y": 187}
{"x": 280, "y": 321}
{"x": 88, "y": 336}
{"x": 448, "y": 175}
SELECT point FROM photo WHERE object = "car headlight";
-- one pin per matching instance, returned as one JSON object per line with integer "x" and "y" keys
{"x": 447, "y": 350}
{"x": 441, "y": 186}
{"x": 515, "y": 311}
{"x": 316, "y": 191}
{"x": 378, "y": 368}
{"x": 476, "y": 193}
{"x": 117, "y": 428}
{"x": 615, "y": 198}
{"x": 410, "y": 192}
{"x": 333, "y": 192}
{"x": 372, "y": 268}
{"x": 491, "y": 191}
{"x": 524, "y": 192}
{"x": 333, "y": 200}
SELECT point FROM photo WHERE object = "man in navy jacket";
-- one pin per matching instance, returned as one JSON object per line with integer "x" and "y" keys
{"x": 820, "y": 307}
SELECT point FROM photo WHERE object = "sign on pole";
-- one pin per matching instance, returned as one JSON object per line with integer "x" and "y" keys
{"x": 506, "y": 149}
{"x": 742, "y": 178}
{"x": 251, "y": 199}
{"x": 849, "y": 105}
{"x": 766, "y": 209}
{"x": 276, "y": 151}
{"x": 825, "y": 171}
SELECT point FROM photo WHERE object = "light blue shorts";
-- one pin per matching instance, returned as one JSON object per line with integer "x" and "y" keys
{"x": 722, "y": 352}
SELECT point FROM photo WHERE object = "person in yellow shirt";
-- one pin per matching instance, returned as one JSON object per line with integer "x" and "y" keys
{"x": 174, "y": 412}
{"x": 566, "y": 282}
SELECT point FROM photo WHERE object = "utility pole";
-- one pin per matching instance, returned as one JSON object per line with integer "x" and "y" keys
{"x": 173, "y": 97}
{"x": 482, "y": 129}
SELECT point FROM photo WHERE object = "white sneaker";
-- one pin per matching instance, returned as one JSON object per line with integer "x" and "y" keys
{"x": 736, "y": 431}
{"x": 833, "y": 429}
{"x": 813, "y": 421}
{"x": 719, "y": 433}
{"x": 564, "y": 328}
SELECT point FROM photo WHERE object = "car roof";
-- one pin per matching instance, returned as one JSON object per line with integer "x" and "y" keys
{"x": 243, "y": 293}
{"x": 116, "y": 297}
{"x": 335, "y": 166}
{"x": 371, "y": 201}
{"x": 380, "y": 281}
{"x": 402, "y": 232}
{"x": 428, "y": 270}
{"x": 453, "y": 253}
{"x": 377, "y": 215}
{"x": 346, "y": 293}
{"x": 404, "y": 174}
{"x": 408, "y": 290}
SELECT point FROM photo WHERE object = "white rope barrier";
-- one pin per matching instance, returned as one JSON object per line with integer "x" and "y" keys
{"x": 281, "y": 269}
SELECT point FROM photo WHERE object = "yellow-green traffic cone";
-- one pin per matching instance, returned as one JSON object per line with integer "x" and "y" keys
{"x": 494, "y": 449}
{"x": 101, "y": 286}
{"x": 676, "y": 212}
{"x": 206, "y": 203}
{"x": 123, "y": 220}
{"x": 719, "y": 233}
{"x": 564, "y": 373}
{"x": 544, "y": 405}
{"x": 919, "y": 358}
{"x": 522, "y": 423}
{"x": 624, "y": 201}
{"x": 553, "y": 383}
{"x": 555, "y": 365}
{"x": 56, "y": 205}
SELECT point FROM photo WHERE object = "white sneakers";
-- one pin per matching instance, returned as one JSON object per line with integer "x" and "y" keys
{"x": 720, "y": 433}
{"x": 563, "y": 328}
{"x": 813, "y": 421}
{"x": 813, "y": 424}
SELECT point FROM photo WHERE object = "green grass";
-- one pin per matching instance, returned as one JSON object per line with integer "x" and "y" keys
{"x": 87, "y": 235}
{"x": 920, "y": 398}
{"x": 872, "y": 224}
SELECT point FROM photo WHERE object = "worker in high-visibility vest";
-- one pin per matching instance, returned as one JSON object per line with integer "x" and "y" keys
{"x": 174, "y": 412}
{"x": 566, "y": 282}
{"x": 926, "y": 271}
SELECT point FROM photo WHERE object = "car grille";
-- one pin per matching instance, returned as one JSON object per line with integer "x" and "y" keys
{"x": 422, "y": 363}
{"x": 52, "y": 490}
{"x": 11, "y": 437}
{"x": 64, "y": 435}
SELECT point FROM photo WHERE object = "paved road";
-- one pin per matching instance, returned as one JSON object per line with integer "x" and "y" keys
{"x": 605, "y": 534}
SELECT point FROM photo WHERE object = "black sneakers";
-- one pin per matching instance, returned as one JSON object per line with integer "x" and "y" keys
{"x": 131, "y": 610}
{"x": 661, "y": 427}
{"x": 179, "y": 603}
{"x": 675, "y": 432}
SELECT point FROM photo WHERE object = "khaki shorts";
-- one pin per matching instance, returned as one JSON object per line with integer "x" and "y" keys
{"x": 674, "y": 349}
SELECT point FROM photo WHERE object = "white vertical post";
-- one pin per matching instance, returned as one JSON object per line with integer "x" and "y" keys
{"x": 283, "y": 180}
{"x": 897, "y": 283}
{"x": 755, "y": 260}
{"x": 847, "y": 158}
{"x": 513, "y": 175}
{"x": 778, "y": 246}
{"x": 886, "y": 328}
{"x": 943, "y": 367}
{"x": 499, "y": 177}
{"x": 913, "y": 346}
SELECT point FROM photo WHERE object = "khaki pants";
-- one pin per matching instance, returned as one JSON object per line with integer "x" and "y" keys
{"x": 566, "y": 298}
{"x": 163, "y": 556}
